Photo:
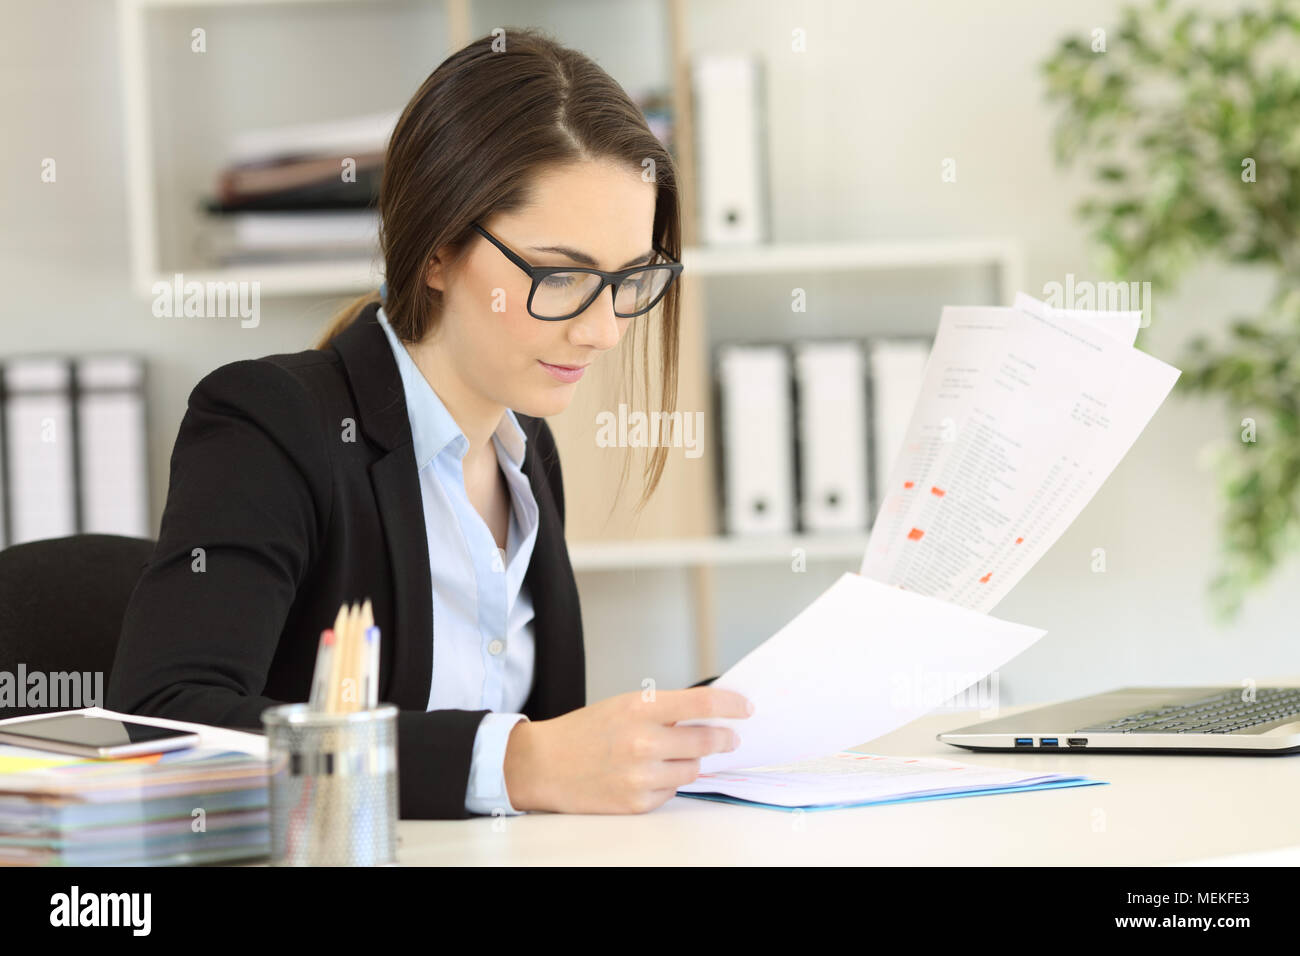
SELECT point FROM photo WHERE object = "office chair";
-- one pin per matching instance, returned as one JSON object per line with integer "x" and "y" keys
{"x": 61, "y": 606}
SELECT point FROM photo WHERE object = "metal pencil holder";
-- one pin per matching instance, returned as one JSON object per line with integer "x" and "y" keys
{"x": 332, "y": 786}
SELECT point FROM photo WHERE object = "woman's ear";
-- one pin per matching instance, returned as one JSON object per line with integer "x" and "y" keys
{"x": 435, "y": 275}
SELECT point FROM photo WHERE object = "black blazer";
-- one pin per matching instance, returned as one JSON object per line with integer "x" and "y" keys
{"x": 295, "y": 476}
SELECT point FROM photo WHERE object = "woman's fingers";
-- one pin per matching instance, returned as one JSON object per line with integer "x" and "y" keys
{"x": 676, "y": 773}
{"x": 680, "y": 750}
{"x": 697, "y": 703}
{"x": 695, "y": 742}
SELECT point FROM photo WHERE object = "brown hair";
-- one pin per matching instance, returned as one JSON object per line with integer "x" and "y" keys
{"x": 491, "y": 116}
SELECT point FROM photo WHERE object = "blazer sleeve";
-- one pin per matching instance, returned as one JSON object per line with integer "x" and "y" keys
{"x": 248, "y": 500}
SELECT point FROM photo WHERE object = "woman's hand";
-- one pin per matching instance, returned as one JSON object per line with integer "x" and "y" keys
{"x": 621, "y": 755}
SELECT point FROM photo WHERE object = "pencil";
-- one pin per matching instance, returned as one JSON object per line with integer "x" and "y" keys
{"x": 368, "y": 658}
{"x": 372, "y": 667}
{"x": 320, "y": 679}
{"x": 351, "y": 688}
{"x": 332, "y": 698}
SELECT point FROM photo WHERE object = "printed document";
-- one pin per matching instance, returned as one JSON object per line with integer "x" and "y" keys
{"x": 1023, "y": 414}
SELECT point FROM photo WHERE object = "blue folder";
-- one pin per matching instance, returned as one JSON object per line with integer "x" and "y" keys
{"x": 945, "y": 795}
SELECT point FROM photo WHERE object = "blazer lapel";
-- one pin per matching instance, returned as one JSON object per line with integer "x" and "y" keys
{"x": 559, "y": 679}
{"x": 381, "y": 407}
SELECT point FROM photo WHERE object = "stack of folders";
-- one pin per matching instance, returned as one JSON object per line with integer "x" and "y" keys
{"x": 299, "y": 193}
{"x": 199, "y": 805}
{"x": 347, "y": 663}
{"x": 808, "y": 430}
{"x": 73, "y": 456}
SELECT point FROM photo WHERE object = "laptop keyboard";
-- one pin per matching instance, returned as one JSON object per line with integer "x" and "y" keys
{"x": 1221, "y": 714}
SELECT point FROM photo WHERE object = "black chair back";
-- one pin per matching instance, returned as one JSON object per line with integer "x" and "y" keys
{"x": 61, "y": 606}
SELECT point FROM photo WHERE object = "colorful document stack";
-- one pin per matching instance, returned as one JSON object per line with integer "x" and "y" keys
{"x": 203, "y": 804}
{"x": 199, "y": 805}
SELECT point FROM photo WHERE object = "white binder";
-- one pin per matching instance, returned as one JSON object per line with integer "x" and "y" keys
{"x": 897, "y": 370}
{"x": 830, "y": 381}
{"x": 111, "y": 441}
{"x": 39, "y": 443}
{"x": 757, "y": 438}
{"x": 730, "y": 148}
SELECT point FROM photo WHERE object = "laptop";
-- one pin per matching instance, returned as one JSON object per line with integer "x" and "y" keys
{"x": 1149, "y": 720}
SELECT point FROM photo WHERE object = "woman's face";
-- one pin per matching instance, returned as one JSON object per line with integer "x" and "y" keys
{"x": 593, "y": 214}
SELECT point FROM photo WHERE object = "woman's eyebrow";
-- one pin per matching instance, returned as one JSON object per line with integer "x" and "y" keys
{"x": 587, "y": 260}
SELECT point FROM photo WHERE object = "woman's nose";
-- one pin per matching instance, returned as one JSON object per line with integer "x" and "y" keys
{"x": 596, "y": 326}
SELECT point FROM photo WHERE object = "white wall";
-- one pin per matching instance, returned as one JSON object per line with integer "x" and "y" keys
{"x": 858, "y": 126}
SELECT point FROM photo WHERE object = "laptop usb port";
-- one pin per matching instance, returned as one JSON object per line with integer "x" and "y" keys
{"x": 1047, "y": 742}
{"x": 1077, "y": 741}
{"x": 1024, "y": 741}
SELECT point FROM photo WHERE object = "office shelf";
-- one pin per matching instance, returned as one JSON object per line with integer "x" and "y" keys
{"x": 1006, "y": 255}
{"x": 359, "y": 275}
{"x": 713, "y": 551}
{"x": 306, "y": 278}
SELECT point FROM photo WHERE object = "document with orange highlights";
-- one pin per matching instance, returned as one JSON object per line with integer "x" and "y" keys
{"x": 1023, "y": 414}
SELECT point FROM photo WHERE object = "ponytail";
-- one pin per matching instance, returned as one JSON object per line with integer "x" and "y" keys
{"x": 346, "y": 316}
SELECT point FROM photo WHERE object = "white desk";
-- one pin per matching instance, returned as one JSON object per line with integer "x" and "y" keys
{"x": 1156, "y": 809}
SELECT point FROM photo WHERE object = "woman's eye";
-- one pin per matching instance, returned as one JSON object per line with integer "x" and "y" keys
{"x": 561, "y": 280}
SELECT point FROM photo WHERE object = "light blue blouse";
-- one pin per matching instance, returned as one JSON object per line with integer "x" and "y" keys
{"x": 483, "y": 644}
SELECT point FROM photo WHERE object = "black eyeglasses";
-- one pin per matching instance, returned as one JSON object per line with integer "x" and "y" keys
{"x": 561, "y": 292}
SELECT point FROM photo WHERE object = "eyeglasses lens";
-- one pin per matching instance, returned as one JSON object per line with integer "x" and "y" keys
{"x": 564, "y": 293}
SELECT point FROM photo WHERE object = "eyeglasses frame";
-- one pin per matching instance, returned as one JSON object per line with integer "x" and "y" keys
{"x": 614, "y": 279}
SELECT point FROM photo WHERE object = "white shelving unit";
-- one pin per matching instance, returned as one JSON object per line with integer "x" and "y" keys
{"x": 699, "y": 555}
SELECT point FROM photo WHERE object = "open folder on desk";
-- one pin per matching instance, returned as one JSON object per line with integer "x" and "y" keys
{"x": 1023, "y": 413}
{"x": 852, "y": 779}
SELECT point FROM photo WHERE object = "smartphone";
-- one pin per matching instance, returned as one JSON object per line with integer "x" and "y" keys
{"x": 85, "y": 736}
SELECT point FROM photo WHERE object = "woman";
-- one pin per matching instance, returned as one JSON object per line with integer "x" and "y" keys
{"x": 388, "y": 463}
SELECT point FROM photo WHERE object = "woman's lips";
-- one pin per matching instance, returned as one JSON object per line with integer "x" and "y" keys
{"x": 565, "y": 373}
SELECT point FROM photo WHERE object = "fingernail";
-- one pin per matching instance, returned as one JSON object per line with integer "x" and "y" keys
{"x": 735, "y": 740}
{"x": 749, "y": 706}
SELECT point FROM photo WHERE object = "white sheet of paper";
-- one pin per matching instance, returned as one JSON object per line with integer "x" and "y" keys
{"x": 1021, "y": 419}
{"x": 1121, "y": 325}
{"x": 861, "y": 660}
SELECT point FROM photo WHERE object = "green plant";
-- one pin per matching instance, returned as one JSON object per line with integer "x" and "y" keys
{"x": 1191, "y": 123}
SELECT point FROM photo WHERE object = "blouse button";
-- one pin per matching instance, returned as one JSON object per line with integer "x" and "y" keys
{"x": 496, "y": 647}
